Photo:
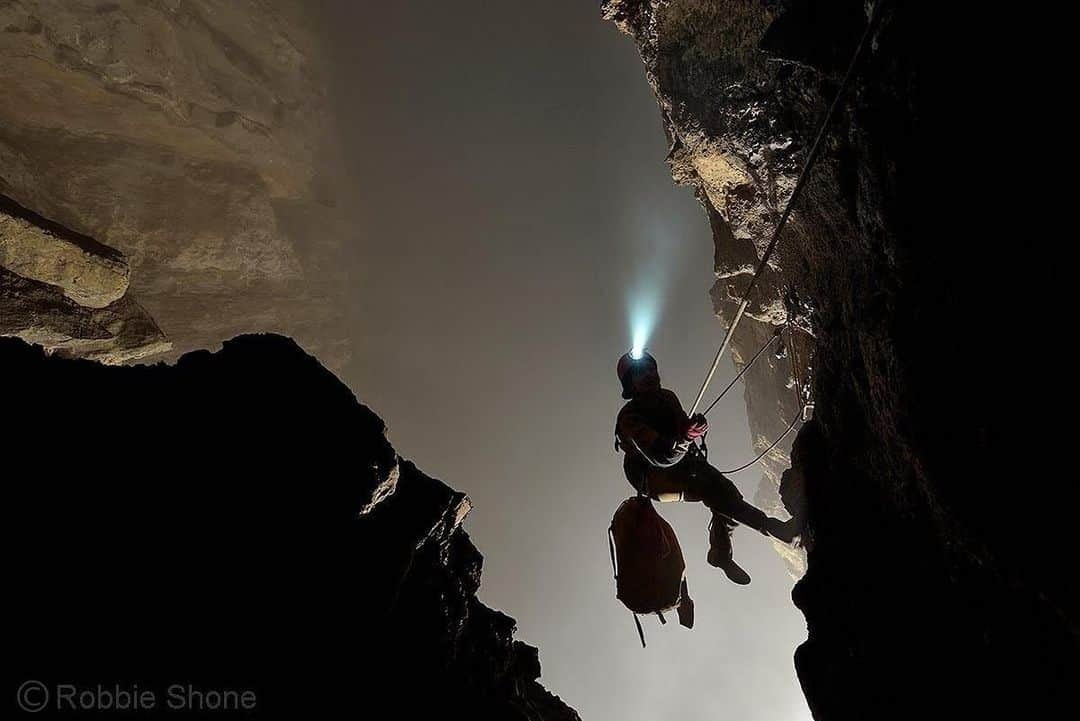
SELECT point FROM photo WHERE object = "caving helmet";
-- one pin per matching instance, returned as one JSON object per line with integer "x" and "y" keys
{"x": 629, "y": 366}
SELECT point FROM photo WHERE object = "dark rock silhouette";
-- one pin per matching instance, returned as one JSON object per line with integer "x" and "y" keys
{"x": 941, "y": 570}
{"x": 240, "y": 521}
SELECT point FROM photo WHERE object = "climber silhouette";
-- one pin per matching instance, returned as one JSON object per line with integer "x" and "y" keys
{"x": 663, "y": 462}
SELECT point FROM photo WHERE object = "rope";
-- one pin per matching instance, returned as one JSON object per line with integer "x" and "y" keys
{"x": 740, "y": 373}
{"x": 803, "y": 402}
{"x": 774, "y": 444}
{"x": 799, "y": 185}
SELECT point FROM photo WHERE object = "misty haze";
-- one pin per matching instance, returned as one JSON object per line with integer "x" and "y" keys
{"x": 543, "y": 361}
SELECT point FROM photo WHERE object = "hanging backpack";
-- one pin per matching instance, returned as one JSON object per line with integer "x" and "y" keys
{"x": 648, "y": 564}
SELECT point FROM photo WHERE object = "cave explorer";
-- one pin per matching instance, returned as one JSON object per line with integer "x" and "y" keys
{"x": 663, "y": 462}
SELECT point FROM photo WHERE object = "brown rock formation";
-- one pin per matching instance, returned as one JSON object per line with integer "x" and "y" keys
{"x": 68, "y": 293}
{"x": 85, "y": 272}
{"x": 185, "y": 136}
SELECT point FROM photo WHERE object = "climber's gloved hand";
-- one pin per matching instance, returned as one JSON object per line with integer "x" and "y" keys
{"x": 697, "y": 427}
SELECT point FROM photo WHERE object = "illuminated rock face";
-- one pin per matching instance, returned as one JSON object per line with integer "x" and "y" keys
{"x": 239, "y": 521}
{"x": 68, "y": 293}
{"x": 89, "y": 277}
{"x": 184, "y": 137}
{"x": 737, "y": 124}
{"x": 938, "y": 577}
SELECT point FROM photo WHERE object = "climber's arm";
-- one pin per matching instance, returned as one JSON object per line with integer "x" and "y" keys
{"x": 657, "y": 449}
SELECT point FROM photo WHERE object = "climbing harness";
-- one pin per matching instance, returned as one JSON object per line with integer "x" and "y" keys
{"x": 792, "y": 199}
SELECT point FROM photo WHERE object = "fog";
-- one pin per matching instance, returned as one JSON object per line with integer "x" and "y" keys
{"x": 513, "y": 219}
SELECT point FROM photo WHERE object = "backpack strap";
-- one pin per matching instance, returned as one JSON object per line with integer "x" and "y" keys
{"x": 640, "y": 632}
{"x": 611, "y": 550}
{"x": 660, "y": 615}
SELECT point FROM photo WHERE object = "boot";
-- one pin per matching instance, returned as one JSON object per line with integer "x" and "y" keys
{"x": 720, "y": 550}
{"x": 785, "y": 531}
{"x": 732, "y": 570}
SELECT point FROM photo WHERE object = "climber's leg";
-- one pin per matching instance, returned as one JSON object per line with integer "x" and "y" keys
{"x": 693, "y": 479}
{"x": 720, "y": 529}
{"x": 755, "y": 518}
{"x": 722, "y": 497}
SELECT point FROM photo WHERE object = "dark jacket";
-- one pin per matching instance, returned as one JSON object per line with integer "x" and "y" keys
{"x": 650, "y": 431}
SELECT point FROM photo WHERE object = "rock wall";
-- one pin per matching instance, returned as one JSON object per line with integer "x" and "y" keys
{"x": 737, "y": 122}
{"x": 68, "y": 292}
{"x": 239, "y": 521}
{"x": 190, "y": 137}
{"x": 936, "y": 582}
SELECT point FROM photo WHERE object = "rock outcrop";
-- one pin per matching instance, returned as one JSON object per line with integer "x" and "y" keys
{"x": 239, "y": 521}
{"x": 192, "y": 139}
{"x": 89, "y": 274}
{"x": 68, "y": 292}
{"x": 939, "y": 578}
